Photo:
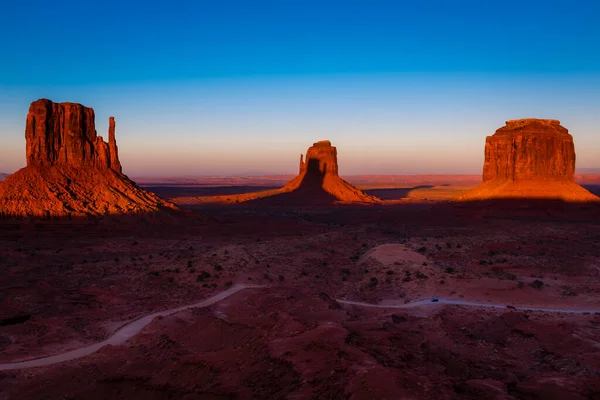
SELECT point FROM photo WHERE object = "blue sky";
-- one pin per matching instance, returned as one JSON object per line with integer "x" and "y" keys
{"x": 243, "y": 87}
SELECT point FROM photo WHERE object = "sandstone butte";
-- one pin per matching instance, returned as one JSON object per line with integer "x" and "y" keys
{"x": 530, "y": 159}
{"x": 319, "y": 173}
{"x": 70, "y": 170}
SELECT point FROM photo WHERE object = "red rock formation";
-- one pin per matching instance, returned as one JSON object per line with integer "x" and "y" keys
{"x": 530, "y": 158}
{"x": 70, "y": 170}
{"x": 530, "y": 149}
{"x": 318, "y": 175}
{"x": 112, "y": 147}
{"x": 65, "y": 134}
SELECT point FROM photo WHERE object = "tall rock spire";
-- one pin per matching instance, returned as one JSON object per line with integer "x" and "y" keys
{"x": 115, "y": 164}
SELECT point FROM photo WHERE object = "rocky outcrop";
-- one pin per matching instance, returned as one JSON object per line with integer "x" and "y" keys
{"x": 70, "y": 170}
{"x": 65, "y": 134}
{"x": 530, "y": 158}
{"x": 525, "y": 149}
{"x": 318, "y": 177}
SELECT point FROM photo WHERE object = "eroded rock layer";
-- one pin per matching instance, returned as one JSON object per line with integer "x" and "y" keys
{"x": 530, "y": 158}
{"x": 318, "y": 172}
{"x": 70, "y": 170}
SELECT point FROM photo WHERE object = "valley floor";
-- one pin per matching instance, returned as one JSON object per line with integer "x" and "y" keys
{"x": 68, "y": 284}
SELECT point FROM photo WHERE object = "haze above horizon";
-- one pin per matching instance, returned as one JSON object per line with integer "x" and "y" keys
{"x": 241, "y": 88}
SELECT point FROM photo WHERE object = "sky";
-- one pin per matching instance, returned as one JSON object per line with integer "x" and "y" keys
{"x": 243, "y": 87}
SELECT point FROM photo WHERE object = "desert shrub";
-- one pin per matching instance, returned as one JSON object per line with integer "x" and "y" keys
{"x": 422, "y": 249}
{"x": 345, "y": 271}
{"x": 521, "y": 285}
{"x": 450, "y": 270}
{"x": 190, "y": 264}
{"x": 228, "y": 284}
{"x": 218, "y": 267}
{"x": 203, "y": 275}
{"x": 373, "y": 281}
{"x": 421, "y": 275}
{"x": 448, "y": 245}
{"x": 390, "y": 272}
{"x": 281, "y": 278}
{"x": 568, "y": 291}
{"x": 537, "y": 284}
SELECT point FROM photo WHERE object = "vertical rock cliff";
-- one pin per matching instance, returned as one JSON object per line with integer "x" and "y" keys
{"x": 530, "y": 158}
{"x": 70, "y": 169}
{"x": 318, "y": 175}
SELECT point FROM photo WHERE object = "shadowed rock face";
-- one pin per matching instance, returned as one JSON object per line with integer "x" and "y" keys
{"x": 70, "y": 170}
{"x": 65, "y": 134}
{"x": 318, "y": 178}
{"x": 324, "y": 154}
{"x": 530, "y": 149}
{"x": 530, "y": 158}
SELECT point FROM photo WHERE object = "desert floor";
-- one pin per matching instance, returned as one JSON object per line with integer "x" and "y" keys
{"x": 72, "y": 283}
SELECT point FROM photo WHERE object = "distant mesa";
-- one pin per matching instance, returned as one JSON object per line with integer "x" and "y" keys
{"x": 318, "y": 177}
{"x": 70, "y": 170}
{"x": 530, "y": 159}
{"x": 317, "y": 184}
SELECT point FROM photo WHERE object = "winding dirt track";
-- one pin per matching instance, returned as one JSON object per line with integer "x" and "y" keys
{"x": 132, "y": 328}
{"x": 122, "y": 334}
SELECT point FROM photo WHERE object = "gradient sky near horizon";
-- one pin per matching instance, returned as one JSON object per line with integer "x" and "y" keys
{"x": 243, "y": 87}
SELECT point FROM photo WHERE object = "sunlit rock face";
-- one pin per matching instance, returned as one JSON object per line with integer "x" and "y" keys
{"x": 318, "y": 175}
{"x": 530, "y": 158}
{"x": 71, "y": 171}
{"x": 528, "y": 149}
{"x": 65, "y": 134}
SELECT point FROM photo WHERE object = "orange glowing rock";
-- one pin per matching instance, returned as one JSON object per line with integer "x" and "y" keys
{"x": 70, "y": 170}
{"x": 530, "y": 158}
{"x": 319, "y": 173}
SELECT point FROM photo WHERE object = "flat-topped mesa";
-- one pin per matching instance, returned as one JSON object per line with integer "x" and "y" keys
{"x": 65, "y": 134}
{"x": 530, "y": 149}
{"x": 525, "y": 121}
{"x": 530, "y": 159}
